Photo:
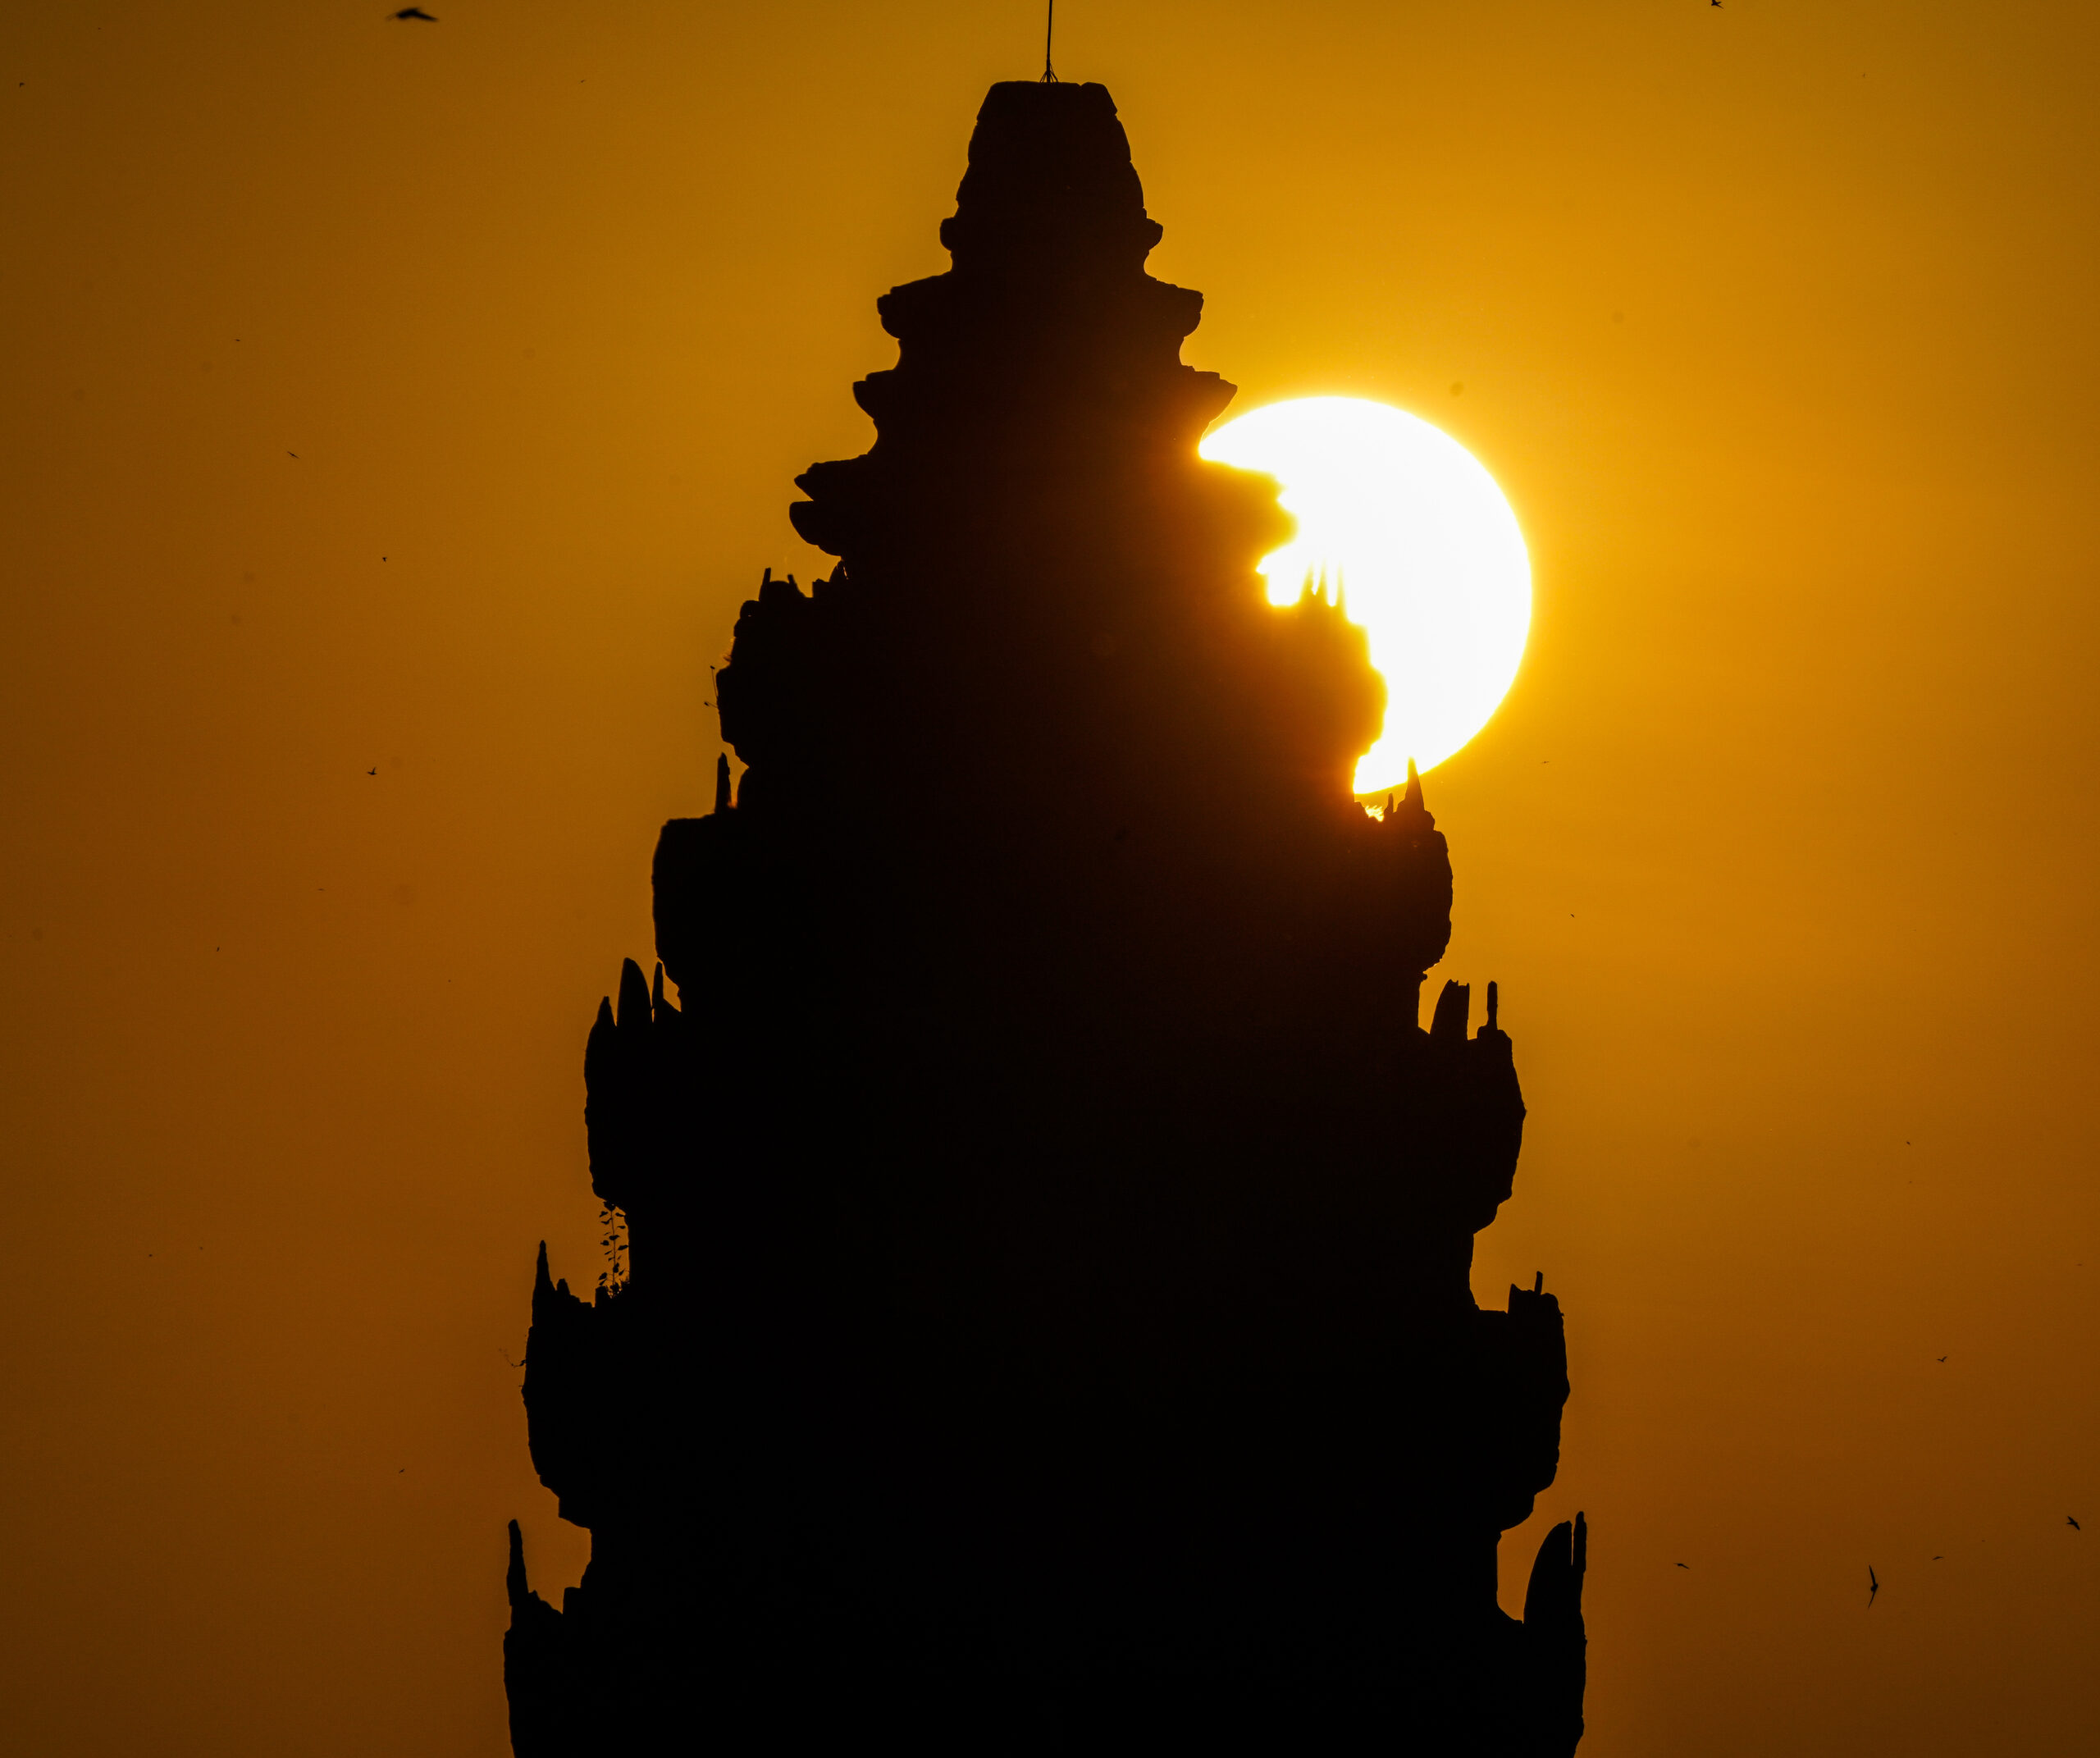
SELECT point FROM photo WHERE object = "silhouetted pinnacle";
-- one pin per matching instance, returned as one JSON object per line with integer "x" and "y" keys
{"x": 635, "y": 1013}
{"x": 1050, "y": 185}
{"x": 1454, "y": 1007}
{"x": 514, "y": 1580}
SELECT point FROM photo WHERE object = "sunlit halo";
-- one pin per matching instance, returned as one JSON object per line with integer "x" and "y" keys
{"x": 1426, "y": 554}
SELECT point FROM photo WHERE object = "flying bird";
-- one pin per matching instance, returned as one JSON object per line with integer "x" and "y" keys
{"x": 1873, "y": 1587}
{"x": 2073, "y": 1524}
{"x": 1684, "y": 1565}
{"x": 371, "y": 772}
{"x": 420, "y": 16}
{"x": 1939, "y": 1560}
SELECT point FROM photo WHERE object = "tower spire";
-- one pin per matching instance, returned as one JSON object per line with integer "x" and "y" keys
{"x": 1049, "y": 25}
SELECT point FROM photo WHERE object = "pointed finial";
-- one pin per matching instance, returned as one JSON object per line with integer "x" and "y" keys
{"x": 634, "y": 1009}
{"x": 722, "y": 783}
{"x": 541, "y": 1282}
{"x": 1447, "y": 1024}
{"x": 1494, "y": 1001}
{"x": 1049, "y": 26}
{"x": 1412, "y": 797}
{"x": 514, "y": 1581}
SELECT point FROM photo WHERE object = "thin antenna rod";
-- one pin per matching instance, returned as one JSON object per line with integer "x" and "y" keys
{"x": 1049, "y": 25}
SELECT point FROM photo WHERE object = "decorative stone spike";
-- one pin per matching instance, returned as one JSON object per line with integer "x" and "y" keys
{"x": 635, "y": 1012}
{"x": 1454, "y": 1007}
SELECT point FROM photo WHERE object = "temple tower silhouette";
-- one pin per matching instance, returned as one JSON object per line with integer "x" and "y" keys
{"x": 1047, "y": 1323}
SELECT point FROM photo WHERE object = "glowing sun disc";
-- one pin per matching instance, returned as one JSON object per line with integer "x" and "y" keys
{"x": 1425, "y": 551}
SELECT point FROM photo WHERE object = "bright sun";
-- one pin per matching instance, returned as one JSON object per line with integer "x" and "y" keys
{"x": 1423, "y": 548}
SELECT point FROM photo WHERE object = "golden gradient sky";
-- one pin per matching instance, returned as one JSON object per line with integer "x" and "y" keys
{"x": 1776, "y": 323}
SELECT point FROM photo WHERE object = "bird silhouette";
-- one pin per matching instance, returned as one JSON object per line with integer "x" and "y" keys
{"x": 1873, "y": 1585}
{"x": 420, "y": 16}
{"x": 2073, "y": 1524}
{"x": 1939, "y": 1560}
{"x": 1684, "y": 1565}
{"x": 1939, "y": 1357}
{"x": 371, "y": 772}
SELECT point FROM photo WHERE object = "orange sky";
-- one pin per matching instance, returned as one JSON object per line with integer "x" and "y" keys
{"x": 1773, "y": 321}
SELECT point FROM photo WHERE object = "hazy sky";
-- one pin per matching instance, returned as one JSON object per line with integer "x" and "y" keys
{"x": 424, "y": 398}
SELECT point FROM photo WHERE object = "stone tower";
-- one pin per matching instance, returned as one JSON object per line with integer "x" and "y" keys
{"x": 1048, "y": 1323}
